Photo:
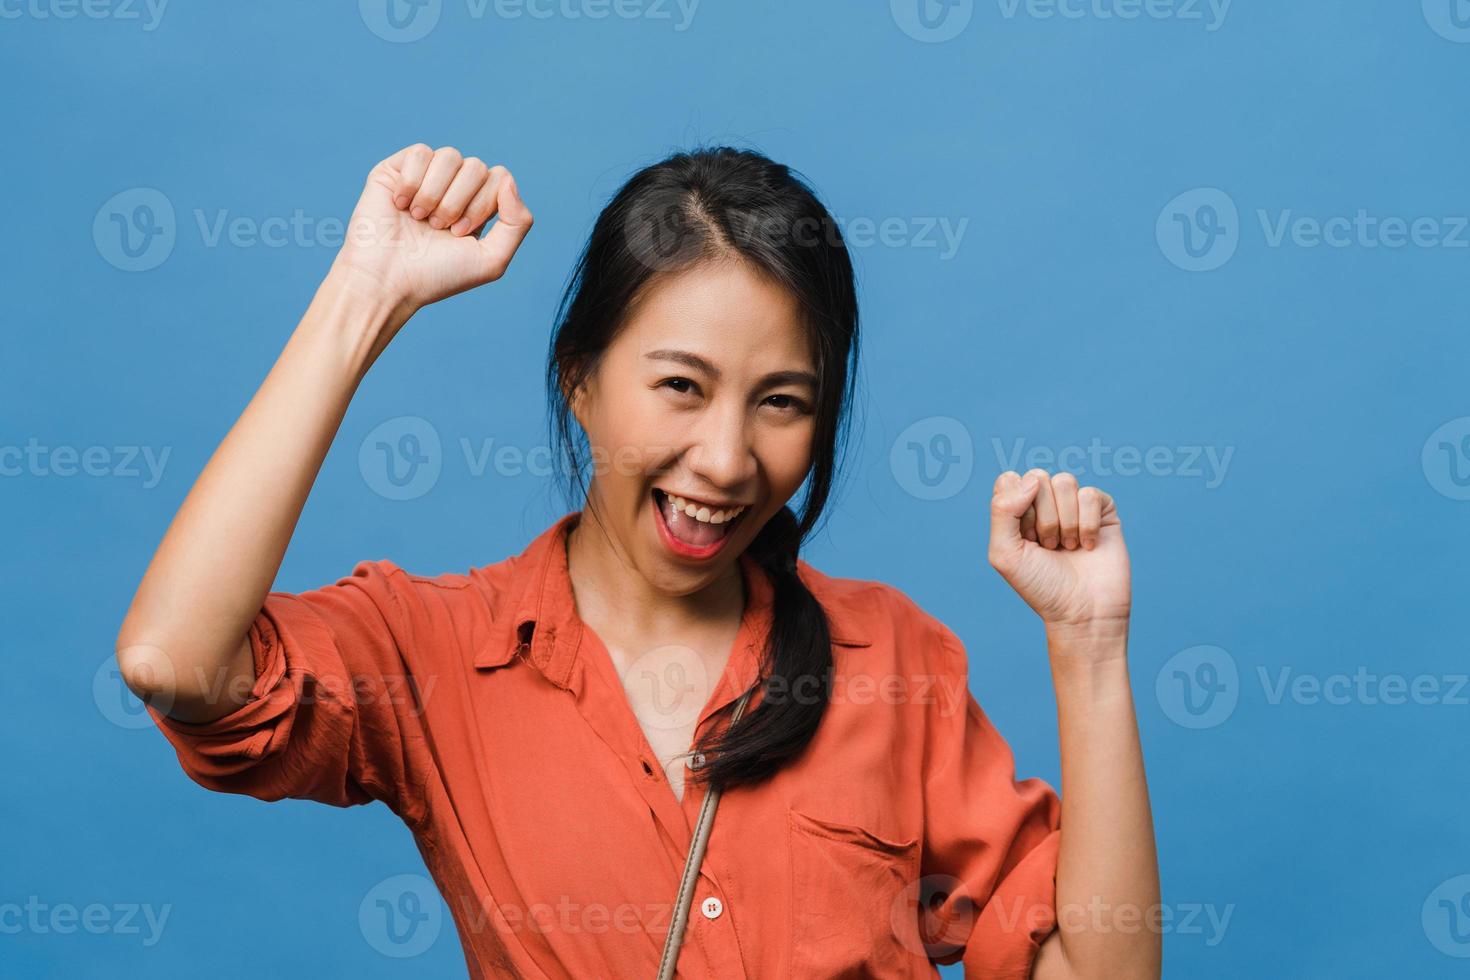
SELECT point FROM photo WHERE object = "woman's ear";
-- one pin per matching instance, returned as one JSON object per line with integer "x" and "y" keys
{"x": 576, "y": 398}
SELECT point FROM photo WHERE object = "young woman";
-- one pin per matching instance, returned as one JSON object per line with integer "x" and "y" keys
{"x": 550, "y": 726}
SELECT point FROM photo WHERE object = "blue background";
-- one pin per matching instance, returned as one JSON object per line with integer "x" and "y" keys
{"x": 1334, "y": 543}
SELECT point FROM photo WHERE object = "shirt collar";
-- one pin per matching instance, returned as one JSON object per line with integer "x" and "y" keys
{"x": 544, "y": 628}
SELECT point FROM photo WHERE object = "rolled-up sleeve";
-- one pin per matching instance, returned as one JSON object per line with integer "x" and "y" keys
{"x": 334, "y": 713}
{"x": 990, "y": 841}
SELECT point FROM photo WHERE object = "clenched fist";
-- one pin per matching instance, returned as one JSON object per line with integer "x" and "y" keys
{"x": 415, "y": 233}
{"x": 1060, "y": 546}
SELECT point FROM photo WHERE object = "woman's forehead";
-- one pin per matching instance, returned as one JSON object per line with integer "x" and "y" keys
{"x": 724, "y": 314}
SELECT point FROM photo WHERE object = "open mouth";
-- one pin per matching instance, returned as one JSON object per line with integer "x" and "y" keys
{"x": 696, "y": 529}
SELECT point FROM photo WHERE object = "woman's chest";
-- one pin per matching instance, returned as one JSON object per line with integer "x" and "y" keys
{"x": 664, "y": 690}
{"x": 557, "y": 804}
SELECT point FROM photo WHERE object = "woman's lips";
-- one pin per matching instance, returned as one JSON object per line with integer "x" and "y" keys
{"x": 684, "y": 548}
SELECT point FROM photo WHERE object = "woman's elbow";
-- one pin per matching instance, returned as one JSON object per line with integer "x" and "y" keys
{"x": 180, "y": 681}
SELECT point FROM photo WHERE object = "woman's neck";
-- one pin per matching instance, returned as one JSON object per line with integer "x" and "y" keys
{"x": 613, "y": 595}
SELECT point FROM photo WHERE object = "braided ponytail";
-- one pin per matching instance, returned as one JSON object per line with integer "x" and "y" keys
{"x": 796, "y": 671}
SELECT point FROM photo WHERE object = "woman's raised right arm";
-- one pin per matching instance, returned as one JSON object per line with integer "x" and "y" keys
{"x": 413, "y": 239}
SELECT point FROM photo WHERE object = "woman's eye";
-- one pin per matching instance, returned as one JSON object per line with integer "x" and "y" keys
{"x": 790, "y": 404}
{"x": 787, "y": 404}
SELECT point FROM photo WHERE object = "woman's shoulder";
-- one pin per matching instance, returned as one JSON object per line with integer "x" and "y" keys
{"x": 389, "y": 573}
{"x": 878, "y": 612}
{"x": 479, "y": 586}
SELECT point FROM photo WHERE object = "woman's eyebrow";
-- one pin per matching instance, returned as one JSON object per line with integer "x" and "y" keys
{"x": 698, "y": 363}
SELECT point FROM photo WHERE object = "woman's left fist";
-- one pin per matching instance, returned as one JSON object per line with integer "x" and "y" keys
{"x": 1060, "y": 546}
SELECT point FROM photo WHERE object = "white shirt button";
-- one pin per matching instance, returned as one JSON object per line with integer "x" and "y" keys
{"x": 712, "y": 907}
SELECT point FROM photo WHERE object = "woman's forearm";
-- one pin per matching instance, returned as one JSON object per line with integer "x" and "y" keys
{"x": 414, "y": 238}
{"x": 1107, "y": 890}
{"x": 183, "y": 642}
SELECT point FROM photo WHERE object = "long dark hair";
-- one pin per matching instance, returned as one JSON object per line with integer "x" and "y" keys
{"x": 711, "y": 204}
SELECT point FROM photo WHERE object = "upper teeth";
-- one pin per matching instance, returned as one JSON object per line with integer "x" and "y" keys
{"x": 702, "y": 513}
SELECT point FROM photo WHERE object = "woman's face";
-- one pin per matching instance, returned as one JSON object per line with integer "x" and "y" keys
{"x": 707, "y": 395}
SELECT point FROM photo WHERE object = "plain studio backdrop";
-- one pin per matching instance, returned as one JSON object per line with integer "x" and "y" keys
{"x": 1209, "y": 257}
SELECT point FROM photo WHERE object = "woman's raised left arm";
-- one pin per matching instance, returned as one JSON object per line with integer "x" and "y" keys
{"x": 1060, "y": 546}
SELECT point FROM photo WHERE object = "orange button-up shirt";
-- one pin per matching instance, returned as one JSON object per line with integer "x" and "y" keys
{"x": 897, "y": 839}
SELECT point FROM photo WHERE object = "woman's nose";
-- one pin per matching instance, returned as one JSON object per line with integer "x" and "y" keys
{"x": 721, "y": 453}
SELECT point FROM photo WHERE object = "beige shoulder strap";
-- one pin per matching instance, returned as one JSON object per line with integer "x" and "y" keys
{"x": 675, "y": 938}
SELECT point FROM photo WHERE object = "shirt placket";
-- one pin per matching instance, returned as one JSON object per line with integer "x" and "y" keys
{"x": 710, "y": 927}
{"x": 709, "y": 934}
{"x": 711, "y": 923}
{"x": 558, "y": 646}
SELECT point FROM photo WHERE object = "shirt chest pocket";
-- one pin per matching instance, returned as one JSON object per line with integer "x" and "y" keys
{"x": 850, "y": 910}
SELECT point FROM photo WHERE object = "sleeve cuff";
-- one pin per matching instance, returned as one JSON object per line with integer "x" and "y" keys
{"x": 1019, "y": 916}
{"x": 234, "y": 741}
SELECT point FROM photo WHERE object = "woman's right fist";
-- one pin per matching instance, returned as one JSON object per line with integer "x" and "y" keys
{"x": 415, "y": 232}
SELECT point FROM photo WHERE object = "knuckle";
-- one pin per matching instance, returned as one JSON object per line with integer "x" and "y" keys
{"x": 1038, "y": 471}
{"x": 499, "y": 171}
{"x": 1065, "y": 477}
{"x": 475, "y": 165}
{"x": 448, "y": 153}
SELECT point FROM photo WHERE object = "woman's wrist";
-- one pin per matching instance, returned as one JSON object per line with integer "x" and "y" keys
{"x": 1090, "y": 678}
{"x": 1091, "y": 656}
{"x": 357, "y": 314}
{"x": 368, "y": 293}
{"x": 1109, "y": 633}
